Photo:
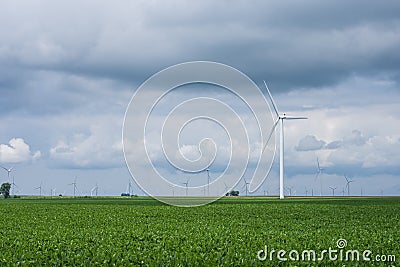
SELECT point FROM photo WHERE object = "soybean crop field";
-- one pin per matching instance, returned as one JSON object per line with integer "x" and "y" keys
{"x": 230, "y": 232}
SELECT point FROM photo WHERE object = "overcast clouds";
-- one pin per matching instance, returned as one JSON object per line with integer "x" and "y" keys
{"x": 69, "y": 68}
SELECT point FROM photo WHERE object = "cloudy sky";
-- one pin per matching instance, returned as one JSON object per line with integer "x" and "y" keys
{"x": 68, "y": 70}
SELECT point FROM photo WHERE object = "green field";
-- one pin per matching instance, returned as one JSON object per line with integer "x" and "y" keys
{"x": 229, "y": 232}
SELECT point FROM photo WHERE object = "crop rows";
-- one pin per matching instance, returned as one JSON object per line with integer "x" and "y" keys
{"x": 230, "y": 232}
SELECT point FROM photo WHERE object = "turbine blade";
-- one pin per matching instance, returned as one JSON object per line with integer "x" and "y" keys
{"x": 295, "y": 118}
{"x": 272, "y": 100}
{"x": 270, "y": 135}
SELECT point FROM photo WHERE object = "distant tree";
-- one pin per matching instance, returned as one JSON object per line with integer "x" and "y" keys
{"x": 233, "y": 193}
{"x": 5, "y": 190}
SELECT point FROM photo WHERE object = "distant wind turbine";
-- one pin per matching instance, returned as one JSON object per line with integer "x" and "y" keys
{"x": 289, "y": 188}
{"x": 8, "y": 171}
{"x": 94, "y": 189}
{"x": 318, "y": 175}
{"x": 348, "y": 182}
{"x": 246, "y": 184}
{"x": 40, "y": 189}
{"x": 129, "y": 187}
{"x": 208, "y": 181}
{"x": 75, "y": 187}
{"x": 333, "y": 190}
{"x": 13, "y": 186}
{"x": 186, "y": 185}
{"x": 280, "y": 118}
{"x": 53, "y": 192}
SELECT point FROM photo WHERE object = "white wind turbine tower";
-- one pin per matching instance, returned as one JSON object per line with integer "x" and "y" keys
{"x": 280, "y": 118}
{"x": 13, "y": 186}
{"x": 246, "y": 184}
{"x": 208, "y": 181}
{"x": 129, "y": 187}
{"x": 318, "y": 175}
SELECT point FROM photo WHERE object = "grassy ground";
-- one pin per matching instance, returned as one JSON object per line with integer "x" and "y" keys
{"x": 230, "y": 232}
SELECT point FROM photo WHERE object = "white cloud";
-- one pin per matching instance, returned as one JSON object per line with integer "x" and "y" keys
{"x": 375, "y": 152}
{"x": 95, "y": 150}
{"x": 310, "y": 142}
{"x": 17, "y": 151}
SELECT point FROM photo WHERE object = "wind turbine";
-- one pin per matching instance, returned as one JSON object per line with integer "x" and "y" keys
{"x": 8, "y": 171}
{"x": 95, "y": 189}
{"x": 52, "y": 191}
{"x": 289, "y": 188}
{"x": 75, "y": 187}
{"x": 186, "y": 185}
{"x": 306, "y": 191}
{"x": 129, "y": 187}
{"x": 280, "y": 118}
{"x": 348, "y": 181}
{"x": 40, "y": 189}
{"x": 13, "y": 186}
{"x": 246, "y": 185}
{"x": 318, "y": 175}
{"x": 333, "y": 190}
{"x": 208, "y": 181}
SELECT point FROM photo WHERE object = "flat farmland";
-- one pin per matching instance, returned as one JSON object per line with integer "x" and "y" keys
{"x": 230, "y": 232}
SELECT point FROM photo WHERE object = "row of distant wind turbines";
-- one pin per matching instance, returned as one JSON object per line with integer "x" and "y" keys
{"x": 93, "y": 192}
{"x": 288, "y": 189}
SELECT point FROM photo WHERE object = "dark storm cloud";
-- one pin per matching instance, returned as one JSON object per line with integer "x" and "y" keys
{"x": 291, "y": 44}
